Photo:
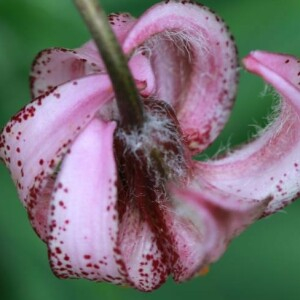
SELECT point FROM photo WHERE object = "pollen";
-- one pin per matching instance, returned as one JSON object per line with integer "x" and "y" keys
{"x": 204, "y": 271}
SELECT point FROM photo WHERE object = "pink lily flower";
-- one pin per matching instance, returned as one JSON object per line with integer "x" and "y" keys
{"x": 95, "y": 193}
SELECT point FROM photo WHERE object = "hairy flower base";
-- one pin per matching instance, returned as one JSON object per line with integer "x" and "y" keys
{"x": 158, "y": 145}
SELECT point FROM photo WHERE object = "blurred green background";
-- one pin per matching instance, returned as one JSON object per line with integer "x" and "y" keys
{"x": 263, "y": 263}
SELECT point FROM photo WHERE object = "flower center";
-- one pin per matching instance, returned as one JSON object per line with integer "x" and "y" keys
{"x": 157, "y": 149}
{"x": 147, "y": 158}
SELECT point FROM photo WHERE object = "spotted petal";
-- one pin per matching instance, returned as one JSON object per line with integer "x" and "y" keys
{"x": 270, "y": 165}
{"x": 194, "y": 62}
{"x": 83, "y": 220}
{"x": 194, "y": 231}
{"x": 56, "y": 66}
{"x": 33, "y": 143}
{"x": 145, "y": 262}
{"x": 203, "y": 225}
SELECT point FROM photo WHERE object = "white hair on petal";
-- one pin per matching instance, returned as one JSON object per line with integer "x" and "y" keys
{"x": 281, "y": 118}
{"x": 266, "y": 91}
{"x": 223, "y": 149}
{"x": 187, "y": 45}
{"x": 276, "y": 119}
{"x": 183, "y": 40}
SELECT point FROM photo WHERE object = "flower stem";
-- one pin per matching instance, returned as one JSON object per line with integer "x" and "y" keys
{"x": 128, "y": 100}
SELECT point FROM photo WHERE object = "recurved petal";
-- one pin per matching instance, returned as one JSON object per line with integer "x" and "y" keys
{"x": 142, "y": 73}
{"x": 269, "y": 166}
{"x": 193, "y": 58}
{"x": 83, "y": 220}
{"x": 141, "y": 249}
{"x": 121, "y": 24}
{"x": 194, "y": 231}
{"x": 56, "y": 66}
{"x": 203, "y": 226}
{"x": 34, "y": 142}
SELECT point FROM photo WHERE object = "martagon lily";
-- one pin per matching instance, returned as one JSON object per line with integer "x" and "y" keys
{"x": 128, "y": 204}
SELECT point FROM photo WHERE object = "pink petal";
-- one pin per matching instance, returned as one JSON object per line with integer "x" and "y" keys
{"x": 142, "y": 73}
{"x": 83, "y": 220}
{"x": 145, "y": 263}
{"x": 33, "y": 143}
{"x": 121, "y": 24}
{"x": 268, "y": 167}
{"x": 194, "y": 62}
{"x": 195, "y": 234}
{"x": 56, "y": 66}
{"x": 203, "y": 227}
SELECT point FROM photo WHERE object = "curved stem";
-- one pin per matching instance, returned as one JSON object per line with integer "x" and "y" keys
{"x": 129, "y": 104}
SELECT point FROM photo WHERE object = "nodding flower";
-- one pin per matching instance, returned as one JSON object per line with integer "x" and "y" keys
{"x": 132, "y": 206}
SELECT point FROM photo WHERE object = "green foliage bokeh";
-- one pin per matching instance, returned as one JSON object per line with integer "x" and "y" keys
{"x": 263, "y": 263}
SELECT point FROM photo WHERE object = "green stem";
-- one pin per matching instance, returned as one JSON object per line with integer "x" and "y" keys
{"x": 128, "y": 100}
